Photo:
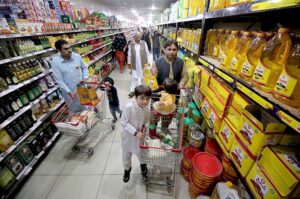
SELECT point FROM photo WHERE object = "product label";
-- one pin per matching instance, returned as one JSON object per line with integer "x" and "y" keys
{"x": 8, "y": 80}
{"x": 247, "y": 69}
{"x": 15, "y": 106}
{"x": 238, "y": 155}
{"x": 226, "y": 134}
{"x": 233, "y": 63}
{"x": 19, "y": 103}
{"x": 215, "y": 51}
{"x": 293, "y": 161}
{"x": 285, "y": 85}
{"x": 260, "y": 184}
{"x": 262, "y": 74}
{"x": 205, "y": 106}
{"x": 222, "y": 56}
{"x": 212, "y": 117}
{"x": 247, "y": 132}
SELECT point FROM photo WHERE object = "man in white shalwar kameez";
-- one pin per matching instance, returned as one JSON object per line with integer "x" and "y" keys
{"x": 134, "y": 121}
{"x": 138, "y": 56}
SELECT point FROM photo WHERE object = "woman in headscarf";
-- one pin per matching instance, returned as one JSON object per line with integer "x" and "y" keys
{"x": 119, "y": 47}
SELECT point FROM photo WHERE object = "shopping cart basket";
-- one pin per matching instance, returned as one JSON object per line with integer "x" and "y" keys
{"x": 163, "y": 160}
{"x": 83, "y": 125}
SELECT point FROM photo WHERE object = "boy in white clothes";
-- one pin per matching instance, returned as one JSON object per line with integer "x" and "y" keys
{"x": 134, "y": 120}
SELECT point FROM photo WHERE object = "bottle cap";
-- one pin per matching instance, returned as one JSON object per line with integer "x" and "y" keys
{"x": 229, "y": 184}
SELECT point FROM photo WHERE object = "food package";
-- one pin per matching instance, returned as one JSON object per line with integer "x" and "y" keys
{"x": 150, "y": 79}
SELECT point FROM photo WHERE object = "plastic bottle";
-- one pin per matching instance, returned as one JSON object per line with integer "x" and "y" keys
{"x": 216, "y": 48}
{"x": 252, "y": 56}
{"x": 231, "y": 45}
{"x": 272, "y": 60}
{"x": 223, "y": 40}
{"x": 224, "y": 190}
{"x": 288, "y": 83}
{"x": 240, "y": 54}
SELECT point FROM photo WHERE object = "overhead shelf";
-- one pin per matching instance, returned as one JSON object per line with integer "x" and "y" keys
{"x": 10, "y": 36}
{"x": 189, "y": 19}
{"x": 287, "y": 114}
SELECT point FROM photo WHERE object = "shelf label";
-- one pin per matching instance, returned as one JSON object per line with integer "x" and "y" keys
{"x": 289, "y": 120}
{"x": 203, "y": 62}
{"x": 224, "y": 76}
{"x": 252, "y": 95}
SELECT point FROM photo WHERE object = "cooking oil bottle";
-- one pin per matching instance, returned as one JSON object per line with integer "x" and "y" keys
{"x": 287, "y": 87}
{"x": 271, "y": 62}
{"x": 231, "y": 45}
{"x": 216, "y": 50}
{"x": 210, "y": 42}
{"x": 223, "y": 40}
{"x": 239, "y": 58}
{"x": 252, "y": 56}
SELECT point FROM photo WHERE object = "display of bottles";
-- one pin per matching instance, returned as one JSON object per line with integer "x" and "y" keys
{"x": 223, "y": 40}
{"x": 240, "y": 54}
{"x": 217, "y": 45}
{"x": 231, "y": 45}
{"x": 42, "y": 41}
{"x": 288, "y": 83}
{"x": 272, "y": 60}
{"x": 210, "y": 41}
{"x": 252, "y": 56}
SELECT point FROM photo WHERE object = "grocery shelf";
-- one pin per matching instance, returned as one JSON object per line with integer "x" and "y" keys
{"x": 24, "y": 109}
{"x": 29, "y": 132}
{"x": 287, "y": 114}
{"x": 96, "y": 49}
{"x": 244, "y": 10}
{"x": 12, "y": 59}
{"x": 27, "y": 170}
{"x": 10, "y": 36}
{"x": 97, "y": 59}
{"x": 20, "y": 85}
{"x": 189, "y": 51}
{"x": 189, "y": 19}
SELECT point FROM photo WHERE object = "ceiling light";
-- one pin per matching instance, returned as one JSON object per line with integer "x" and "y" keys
{"x": 153, "y": 7}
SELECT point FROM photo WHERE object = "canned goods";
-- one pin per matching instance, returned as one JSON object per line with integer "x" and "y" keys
{"x": 197, "y": 138}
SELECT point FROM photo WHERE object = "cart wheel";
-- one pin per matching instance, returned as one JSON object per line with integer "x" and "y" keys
{"x": 91, "y": 151}
{"x": 75, "y": 148}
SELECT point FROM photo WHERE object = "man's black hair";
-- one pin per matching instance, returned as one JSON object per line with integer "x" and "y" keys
{"x": 170, "y": 43}
{"x": 59, "y": 43}
{"x": 170, "y": 86}
{"x": 109, "y": 79}
{"x": 142, "y": 90}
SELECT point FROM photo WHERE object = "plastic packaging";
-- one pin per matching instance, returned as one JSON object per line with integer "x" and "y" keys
{"x": 231, "y": 45}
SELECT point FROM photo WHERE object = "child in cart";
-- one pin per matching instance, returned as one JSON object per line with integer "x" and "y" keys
{"x": 113, "y": 99}
{"x": 134, "y": 120}
{"x": 165, "y": 107}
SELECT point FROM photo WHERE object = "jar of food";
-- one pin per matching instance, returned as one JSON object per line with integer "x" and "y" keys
{"x": 196, "y": 139}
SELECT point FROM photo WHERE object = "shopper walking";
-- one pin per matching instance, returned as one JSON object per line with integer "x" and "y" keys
{"x": 170, "y": 66}
{"x": 138, "y": 56}
{"x": 119, "y": 47}
{"x": 146, "y": 38}
{"x": 134, "y": 121}
{"x": 113, "y": 98}
{"x": 156, "y": 44}
{"x": 68, "y": 70}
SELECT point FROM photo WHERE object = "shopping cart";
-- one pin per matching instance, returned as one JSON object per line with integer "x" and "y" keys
{"x": 82, "y": 125}
{"x": 163, "y": 160}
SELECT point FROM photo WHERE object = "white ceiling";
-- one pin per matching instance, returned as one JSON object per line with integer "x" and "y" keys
{"x": 124, "y": 7}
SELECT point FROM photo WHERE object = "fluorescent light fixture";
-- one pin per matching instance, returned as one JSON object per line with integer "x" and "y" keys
{"x": 153, "y": 7}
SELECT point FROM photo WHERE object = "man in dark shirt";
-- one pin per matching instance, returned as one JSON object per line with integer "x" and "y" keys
{"x": 146, "y": 38}
{"x": 113, "y": 98}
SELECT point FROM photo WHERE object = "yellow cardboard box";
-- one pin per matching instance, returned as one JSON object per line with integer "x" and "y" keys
{"x": 227, "y": 134}
{"x": 282, "y": 167}
{"x": 257, "y": 128}
{"x": 214, "y": 119}
{"x": 225, "y": 152}
{"x": 289, "y": 139}
{"x": 260, "y": 185}
{"x": 241, "y": 157}
{"x": 222, "y": 91}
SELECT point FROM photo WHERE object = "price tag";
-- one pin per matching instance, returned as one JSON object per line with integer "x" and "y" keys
{"x": 211, "y": 67}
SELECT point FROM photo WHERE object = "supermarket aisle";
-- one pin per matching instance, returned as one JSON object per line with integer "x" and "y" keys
{"x": 67, "y": 175}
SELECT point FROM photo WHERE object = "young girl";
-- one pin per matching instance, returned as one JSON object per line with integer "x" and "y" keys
{"x": 134, "y": 120}
{"x": 166, "y": 104}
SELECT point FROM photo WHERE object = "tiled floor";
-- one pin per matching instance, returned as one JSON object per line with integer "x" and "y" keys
{"x": 68, "y": 175}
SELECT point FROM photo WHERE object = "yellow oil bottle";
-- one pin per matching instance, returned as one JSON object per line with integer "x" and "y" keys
{"x": 210, "y": 37}
{"x": 222, "y": 4}
{"x": 240, "y": 55}
{"x": 288, "y": 84}
{"x": 253, "y": 54}
{"x": 272, "y": 60}
{"x": 219, "y": 34}
{"x": 231, "y": 45}
{"x": 223, "y": 41}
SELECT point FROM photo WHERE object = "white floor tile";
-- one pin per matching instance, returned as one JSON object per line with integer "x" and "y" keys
{"x": 37, "y": 187}
{"x": 81, "y": 163}
{"x": 55, "y": 160}
{"x": 66, "y": 139}
{"x": 115, "y": 165}
{"x": 113, "y": 187}
{"x": 75, "y": 187}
